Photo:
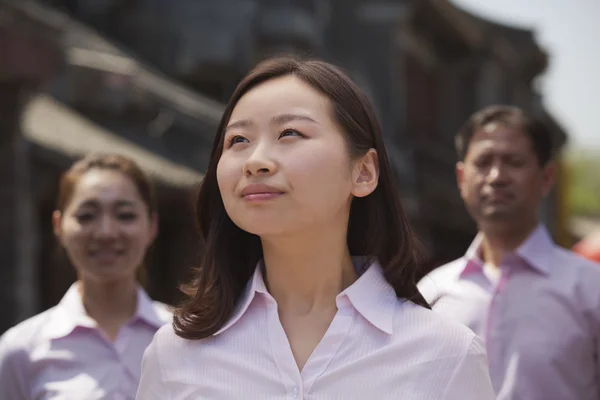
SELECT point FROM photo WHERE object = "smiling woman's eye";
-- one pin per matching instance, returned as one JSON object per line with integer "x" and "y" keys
{"x": 127, "y": 216}
{"x": 84, "y": 217}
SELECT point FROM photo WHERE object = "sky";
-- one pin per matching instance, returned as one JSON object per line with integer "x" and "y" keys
{"x": 569, "y": 30}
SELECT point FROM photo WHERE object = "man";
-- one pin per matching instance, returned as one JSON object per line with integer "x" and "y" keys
{"x": 536, "y": 305}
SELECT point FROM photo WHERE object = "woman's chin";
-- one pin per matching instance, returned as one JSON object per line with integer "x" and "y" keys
{"x": 264, "y": 228}
{"x": 109, "y": 275}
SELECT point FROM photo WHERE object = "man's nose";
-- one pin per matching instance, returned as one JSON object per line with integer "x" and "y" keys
{"x": 497, "y": 173}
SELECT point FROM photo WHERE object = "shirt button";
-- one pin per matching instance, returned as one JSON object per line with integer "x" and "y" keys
{"x": 295, "y": 392}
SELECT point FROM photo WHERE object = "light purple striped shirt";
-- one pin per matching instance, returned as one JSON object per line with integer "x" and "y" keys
{"x": 541, "y": 321}
{"x": 61, "y": 354}
{"x": 377, "y": 347}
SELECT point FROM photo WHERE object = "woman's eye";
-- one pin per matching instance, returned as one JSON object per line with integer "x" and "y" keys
{"x": 236, "y": 139}
{"x": 127, "y": 216}
{"x": 83, "y": 218}
{"x": 290, "y": 132}
{"x": 239, "y": 139}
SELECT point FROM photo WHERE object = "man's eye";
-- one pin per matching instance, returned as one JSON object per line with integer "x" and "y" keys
{"x": 482, "y": 162}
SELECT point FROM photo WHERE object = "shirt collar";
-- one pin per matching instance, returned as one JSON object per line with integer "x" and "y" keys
{"x": 256, "y": 285}
{"x": 535, "y": 251}
{"x": 70, "y": 313}
{"x": 371, "y": 295}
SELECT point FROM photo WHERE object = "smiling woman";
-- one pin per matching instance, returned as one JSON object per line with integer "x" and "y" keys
{"x": 307, "y": 287}
{"x": 97, "y": 197}
{"x": 91, "y": 344}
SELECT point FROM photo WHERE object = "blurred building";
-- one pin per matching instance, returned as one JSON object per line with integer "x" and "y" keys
{"x": 65, "y": 91}
{"x": 151, "y": 76}
{"x": 454, "y": 64}
{"x": 29, "y": 56}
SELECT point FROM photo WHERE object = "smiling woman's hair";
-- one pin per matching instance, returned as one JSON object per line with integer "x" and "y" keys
{"x": 112, "y": 162}
{"x": 378, "y": 224}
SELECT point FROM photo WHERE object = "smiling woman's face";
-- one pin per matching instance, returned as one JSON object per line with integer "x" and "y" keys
{"x": 106, "y": 227}
{"x": 285, "y": 165}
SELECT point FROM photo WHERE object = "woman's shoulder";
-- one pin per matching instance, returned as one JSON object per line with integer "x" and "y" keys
{"x": 454, "y": 356}
{"x": 165, "y": 334}
{"x": 26, "y": 334}
{"x": 170, "y": 349}
{"x": 32, "y": 328}
{"x": 426, "y": 329}
{"x": 163, "y": 311}
{"x": 166, "y": 339}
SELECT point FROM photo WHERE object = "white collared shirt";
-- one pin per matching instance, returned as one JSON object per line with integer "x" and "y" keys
{"x": 540, "y": 321}
{"x": 377, "y": 347}
{"x": 61, "y": 353}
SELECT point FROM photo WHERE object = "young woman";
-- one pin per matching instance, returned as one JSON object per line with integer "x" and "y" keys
{"x": 90, "y": 345}
{"x": 307, "y": 287}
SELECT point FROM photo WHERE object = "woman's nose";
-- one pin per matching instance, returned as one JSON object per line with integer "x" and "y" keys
{"x": 260, "y": 162}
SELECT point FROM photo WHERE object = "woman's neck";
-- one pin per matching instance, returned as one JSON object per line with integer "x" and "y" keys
{"x": 111, "y": 305}
{"x": 305, "y": 273}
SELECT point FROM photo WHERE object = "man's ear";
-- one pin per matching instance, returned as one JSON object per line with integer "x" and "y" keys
{"x": 549, "y": 177}
{"x": 460, "y": 172}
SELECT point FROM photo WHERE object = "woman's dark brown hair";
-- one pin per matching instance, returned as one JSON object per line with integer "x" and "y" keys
{"x": 378, "y": 225}
{"x": 113, "y": 162}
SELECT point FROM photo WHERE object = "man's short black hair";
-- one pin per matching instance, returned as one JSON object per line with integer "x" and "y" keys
{"x": 513, "y": 117}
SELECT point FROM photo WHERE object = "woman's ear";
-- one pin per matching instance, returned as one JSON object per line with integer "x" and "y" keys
{"x": 365, "y": 174}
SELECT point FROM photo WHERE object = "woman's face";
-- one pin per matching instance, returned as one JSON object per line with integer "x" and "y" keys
{"x": 106, "y": 227}
{"x": 285, "y": 164}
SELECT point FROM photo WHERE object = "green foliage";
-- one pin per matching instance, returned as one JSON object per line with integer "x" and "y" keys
{"x": 583, "y": 182}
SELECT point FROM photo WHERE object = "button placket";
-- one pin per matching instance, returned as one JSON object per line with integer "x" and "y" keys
{"x": 495, "y": 313}
{"x": 121, "y": 346}
{"x": 329, "y": 345}
{"x": 284, "y": 358}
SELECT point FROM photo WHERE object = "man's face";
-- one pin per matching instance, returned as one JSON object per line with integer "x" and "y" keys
{"x": 501, "y": 179}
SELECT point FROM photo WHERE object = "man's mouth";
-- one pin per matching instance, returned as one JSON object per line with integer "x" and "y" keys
{"x": 497, "y": 196}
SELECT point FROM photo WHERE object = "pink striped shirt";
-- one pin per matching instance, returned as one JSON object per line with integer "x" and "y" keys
{"x": 540, "y": 321}
{"x": 61, "y": 354}
{"x": 377, "y": 347}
